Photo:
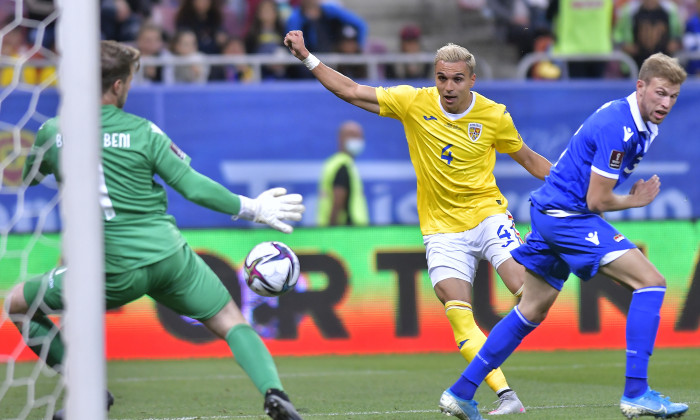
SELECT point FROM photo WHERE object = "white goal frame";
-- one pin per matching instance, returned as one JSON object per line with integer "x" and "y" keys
{"x": 80, "y": 86}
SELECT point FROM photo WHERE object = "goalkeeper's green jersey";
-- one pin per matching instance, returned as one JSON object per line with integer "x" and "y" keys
{"x": 137, "y": 230}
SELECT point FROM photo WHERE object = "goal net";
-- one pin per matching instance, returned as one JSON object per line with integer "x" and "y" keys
{"x": 49, "y": 66}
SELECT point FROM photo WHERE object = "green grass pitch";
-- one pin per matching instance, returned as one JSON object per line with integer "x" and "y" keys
{"x": 552, "y": 385}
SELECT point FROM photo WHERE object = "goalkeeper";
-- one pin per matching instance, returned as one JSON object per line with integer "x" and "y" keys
{"x": 145, "y": 254}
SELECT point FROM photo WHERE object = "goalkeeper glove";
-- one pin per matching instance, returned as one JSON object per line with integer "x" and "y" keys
{"x": 272, "y": 207}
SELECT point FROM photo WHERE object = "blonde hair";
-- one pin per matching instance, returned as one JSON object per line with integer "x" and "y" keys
{"x": 662, "y": 66}
{"x": 453, "y": 53}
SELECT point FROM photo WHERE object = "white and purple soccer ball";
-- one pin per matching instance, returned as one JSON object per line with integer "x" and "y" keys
{"x": 271, "y": 269}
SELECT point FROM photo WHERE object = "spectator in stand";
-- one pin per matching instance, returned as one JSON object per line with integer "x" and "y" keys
{"x": 13, "y": 45}
{"x": 691, "y": 40}
{"x": 348, "y": 44}
{"x": 184, "y": 44}
{"x": 582, "y": 27}
{"x": 39, "y": 10}
{"x": 284, "y": 8}
{"x": 322, "y": 25}
{"x": 512, "y": 23}
{"x": 410, "y": 43}
{"x": 232, "y": 72}
{"x": 151, "y": 43}
{"x": 205, "y": 18}
{"x": 120, "y": 20}
{"x": 645, "y": 27}
{"x": 265, "y": 36}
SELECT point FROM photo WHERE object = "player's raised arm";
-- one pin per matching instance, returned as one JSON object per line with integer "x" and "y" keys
{"x": 342, "y": 86}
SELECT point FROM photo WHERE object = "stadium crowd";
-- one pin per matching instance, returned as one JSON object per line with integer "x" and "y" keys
{"x": 201, "y": 28}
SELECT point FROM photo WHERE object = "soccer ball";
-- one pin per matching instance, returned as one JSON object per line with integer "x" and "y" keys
{"x": 271, "y": 269}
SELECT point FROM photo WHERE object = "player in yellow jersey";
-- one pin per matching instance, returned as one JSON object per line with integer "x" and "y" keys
{"x": 453, "y": 134}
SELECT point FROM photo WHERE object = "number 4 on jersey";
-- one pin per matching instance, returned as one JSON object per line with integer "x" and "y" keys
{"x": 446, "y": 155}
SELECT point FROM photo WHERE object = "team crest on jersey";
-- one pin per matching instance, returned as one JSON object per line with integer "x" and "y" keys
{"x": 177, "y": 151}
{"x": 616, "y": 159}
{"x": 474, "y": 131}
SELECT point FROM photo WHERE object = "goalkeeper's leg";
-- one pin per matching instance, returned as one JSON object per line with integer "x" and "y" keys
{"x": 186, "y": 284}
{"x": 253, "y": 356}
{"x": 247, "y": 347}
{"x": 27, "y": 305}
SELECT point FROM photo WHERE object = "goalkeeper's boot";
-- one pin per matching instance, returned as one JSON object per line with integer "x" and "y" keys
{"x": 508, "y": 403}
{"x": 278, "y": 406}
{"x": 452, "y": 405}
{"x": 61, "y": 414}
{"x": 651, "y": 403}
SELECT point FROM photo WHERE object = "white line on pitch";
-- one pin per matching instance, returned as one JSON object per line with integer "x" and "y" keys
{"x": 518, "y": 367}
{"x": 365, "y": 413}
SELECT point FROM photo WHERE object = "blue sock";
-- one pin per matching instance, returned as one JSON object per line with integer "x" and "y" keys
{"x": 642, "y": 326}
{"x": 504, "y": 338}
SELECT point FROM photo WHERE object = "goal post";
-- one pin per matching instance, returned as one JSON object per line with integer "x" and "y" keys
{"x": 79, "y": 112}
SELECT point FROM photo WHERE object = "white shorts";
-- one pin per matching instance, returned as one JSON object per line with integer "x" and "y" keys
{"x": 458, "y": 254}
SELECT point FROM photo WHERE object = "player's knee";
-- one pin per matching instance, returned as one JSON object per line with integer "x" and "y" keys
{"x": 654, "y": 280}
{"x": 537, "y": 316}
{"x": 532, "y": 312}
{"x": 17, "y": 305}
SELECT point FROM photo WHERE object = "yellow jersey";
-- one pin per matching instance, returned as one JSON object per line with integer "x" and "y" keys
{"x": 453, "y": 157}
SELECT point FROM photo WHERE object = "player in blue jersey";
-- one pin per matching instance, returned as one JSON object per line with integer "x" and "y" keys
{"x": 569, "y": 234}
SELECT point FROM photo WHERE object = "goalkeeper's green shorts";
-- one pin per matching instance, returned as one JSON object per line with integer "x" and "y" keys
{"x": 183, "y": 282}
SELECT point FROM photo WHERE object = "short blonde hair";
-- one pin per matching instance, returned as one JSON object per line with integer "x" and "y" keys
{"x": 662, "y": 66}
{"x": 453, "y": 53}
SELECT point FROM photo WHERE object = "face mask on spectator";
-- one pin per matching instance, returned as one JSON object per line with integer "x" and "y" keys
{"x": 355, "y": 145}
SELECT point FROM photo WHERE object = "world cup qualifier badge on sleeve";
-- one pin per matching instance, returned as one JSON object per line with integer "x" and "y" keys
{"x": 615, "y": 161}
{"x": 178, "y": 152}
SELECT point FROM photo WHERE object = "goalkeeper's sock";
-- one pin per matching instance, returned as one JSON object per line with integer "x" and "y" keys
{"x": 252, "y": 355}
{"x": 470, "y": 338}
{"x": 502, "y": 341}
{"x": 642, "y": 325}
{"x": 41, "y": 331}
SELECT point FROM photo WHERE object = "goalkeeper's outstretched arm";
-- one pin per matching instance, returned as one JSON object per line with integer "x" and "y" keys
{"x": 272, "y": 207}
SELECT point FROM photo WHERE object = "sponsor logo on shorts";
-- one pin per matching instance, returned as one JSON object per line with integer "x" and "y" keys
{"x": 618, "y": 237}
{"x": 616, "y": 159}
{"x": 593, "y": 238}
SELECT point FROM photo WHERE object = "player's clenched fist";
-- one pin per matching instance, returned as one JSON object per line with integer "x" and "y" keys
{"x": 646, "y": 191}
{"x": 294, "y": 40}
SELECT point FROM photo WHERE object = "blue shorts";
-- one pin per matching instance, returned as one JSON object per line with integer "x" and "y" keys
{"x": 559, "y": 246}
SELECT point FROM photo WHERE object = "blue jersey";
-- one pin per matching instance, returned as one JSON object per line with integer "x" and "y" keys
{"x": 611, "y": 143}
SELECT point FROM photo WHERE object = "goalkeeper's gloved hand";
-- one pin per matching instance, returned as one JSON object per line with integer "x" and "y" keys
{"x": 272, "y": 207}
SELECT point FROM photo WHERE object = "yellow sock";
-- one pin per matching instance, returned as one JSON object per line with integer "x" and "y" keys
{"x": 469, "y": 339}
